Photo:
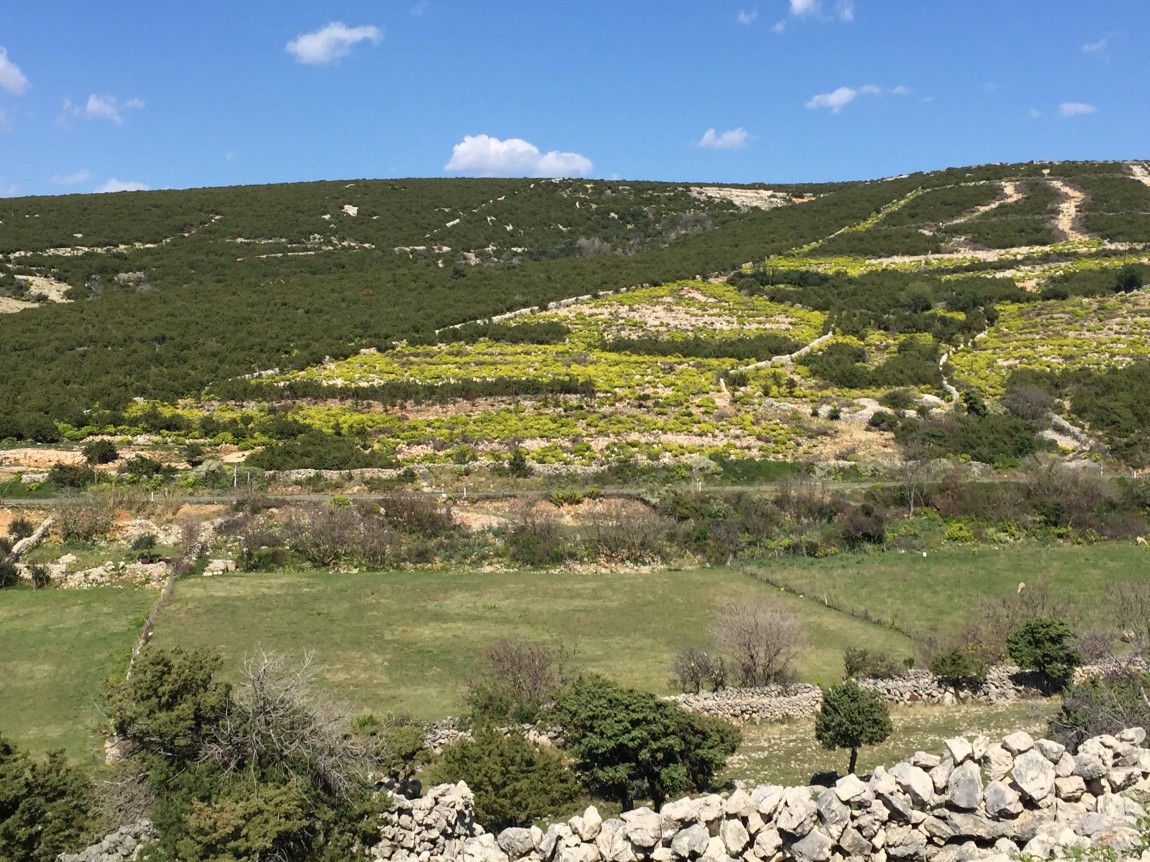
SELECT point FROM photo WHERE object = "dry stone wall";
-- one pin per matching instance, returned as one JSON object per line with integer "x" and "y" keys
{"x": 977, "y": 800}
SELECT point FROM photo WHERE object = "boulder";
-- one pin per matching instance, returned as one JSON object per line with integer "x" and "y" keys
{"x": 483, "y": 848}
{"x": 739, "y": 804}
{"x": 734, "y": 836}
{"x": 1050, "y": 749}
{"x": 798, "y": 814}
{"x": 1070, "y": 788}
{"x": 815, "y": 846}
{"x": 1132, "y": 735}
{"x": 964, "y": 789}
{"x": 914, "y": 782}
{"x": 516, "y": 842}
{"x": 848, "y": 788}
{"x": 833, "y": 813}
{"x": 1018, "y": 742}
{"x": 904, "y": 842}
{"x": 940, "y": 775}
{"x": 1002, "y": 801}
{"x": 767, "y": 799}
{"x": 1089, "y": 766}
{"x": 587, "y": 827}
{"x": 959, "y": 749}
{"x": 997, "y": 762}
{"x": 680, "y": 811}
{"x": 767, "y": 843}
{"x": 1034, "y": 775}
{"x": 642, "y": 827}
{"x": 853, "y": 843}
{"x": 690, "y": 842}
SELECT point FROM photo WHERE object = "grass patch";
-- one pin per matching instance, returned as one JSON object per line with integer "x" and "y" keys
{"x": 58, "y": 647}
{"x": 407, "y": 641}
{"x": 937, "y": 592}
{"x": 788, "y": 754}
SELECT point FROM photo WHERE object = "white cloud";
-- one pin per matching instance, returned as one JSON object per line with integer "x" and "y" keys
{"x": 114, "y": 185}
{"x": 331, "y": 43}
{"x": 1076, "y": 109}
{"x": 734, "y": 139}
{"x": 801, "y": 8}
{"x": 1097, "y": 47}
{"x": 12, "y": 80}
{"x": 845, "y": 9}
{"x": 748, "y": 16}
{"x": 102, "y": 108}
{"x": 81, "y": 176}
{"x": 485, "y": 156}
{"x": 838, "y": 99}
{"x": 779, "y": 27}
{"x": 1034, "y": 113}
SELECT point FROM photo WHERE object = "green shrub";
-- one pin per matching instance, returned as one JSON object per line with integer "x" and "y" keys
{"x": 962, "y": 666}
{"x": 20, "y": 528}
{"x": 630, "y": 744}
{"x": 1047, "y": 646}
{"x": 100, "y": 452}
{"x": 1102, "y": 705}
{"x": 71, "y": 475}
{"x": 514, "y": 782}
{"x": 515, "y": 680}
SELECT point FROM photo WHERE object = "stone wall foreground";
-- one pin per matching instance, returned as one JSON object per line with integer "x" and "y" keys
{"x": 978, "y": 800}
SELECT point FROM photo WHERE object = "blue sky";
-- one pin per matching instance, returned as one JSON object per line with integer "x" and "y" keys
{"x": 126, "y": 94}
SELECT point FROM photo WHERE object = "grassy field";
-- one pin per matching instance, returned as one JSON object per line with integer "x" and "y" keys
{"x": 788, "y": 754}
{"x": 57, "y": 647}
{"x": 938, "y": 592}
{"x": 406, "y": 641}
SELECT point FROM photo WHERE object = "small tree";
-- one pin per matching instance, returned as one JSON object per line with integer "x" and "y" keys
{"x": 761, "y": 638}
{"x": 851, "y": 717}
{"x": 628, "y": 743}
{"x": 1045, "y": 645}
{"x": 695, "y": 667}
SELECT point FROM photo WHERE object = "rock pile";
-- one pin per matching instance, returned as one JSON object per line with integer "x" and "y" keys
{"x": 978, "y": 800}
{"x": 766, "y": 703}
{"x": 122, "y": 844}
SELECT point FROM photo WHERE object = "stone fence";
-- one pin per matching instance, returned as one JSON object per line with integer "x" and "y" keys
{"x": 780, "y": 703}
{"x": 978, "y": 800}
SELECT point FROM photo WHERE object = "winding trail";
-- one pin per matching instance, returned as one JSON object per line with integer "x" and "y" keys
{"x": 1066, "y": 223}
{"x": 1012, "y": 192}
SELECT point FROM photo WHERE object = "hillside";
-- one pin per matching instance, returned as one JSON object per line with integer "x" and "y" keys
{"x": 985, "y": 313}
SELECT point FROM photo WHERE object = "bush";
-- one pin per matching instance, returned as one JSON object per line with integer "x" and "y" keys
{"x": 629, "y": 744}
{"x": 84, "y": 519}
{"x": 761, "y": 639}
{"x": 71, "y": 475}
{"x": 20, "y": 528}
{"x": 1103, "y": 705}
{"x": 962, "y": 666}
{"x": 99, "y": 452}
{"x": 850, "y": 717}
{"x": 517, "y": 679}
{"x": 694, "y": 667}
{"x": 46, "y": 807}
{"x": 868, "y": 664}
{"x": 514, "y": 782}
{"x": 1047, "y": 646}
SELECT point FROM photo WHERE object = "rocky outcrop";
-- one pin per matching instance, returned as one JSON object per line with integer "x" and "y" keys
{"x": 978, "y": 800}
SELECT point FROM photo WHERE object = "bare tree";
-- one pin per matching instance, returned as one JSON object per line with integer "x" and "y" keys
{"x": 517, "y": 678}
{"x": 761, "y": 638}
{"x": 1129, "y": 606}
{"x": 277, "y": 719}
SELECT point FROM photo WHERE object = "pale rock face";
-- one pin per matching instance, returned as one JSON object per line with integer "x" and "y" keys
{"x": 516, "y": 842}
{"x": 914, "y": 782}
{"x": 680, "y": 811}
{"x": 854, "y": 843}
{"x": 997, "y": 761}
{"x": 833, "y": 813}
{"x": 1018, "y": 742}
{"x": 767, "y": 799}
{"x": 848, "y": 787}
{"x": 815, "y": 846}
{"x": 1002, "y": 801}
{"x": 940, "y": 775}
{"x": 903, "y": 842}
{"x": 964, "y": 789}
{"x": 590, "y": 824}
{"x": 1051, "y": 750}
{"x": 734, "y": 836}
{"x": 1089, "y": 766}
{"x": 739, "y": 804}
{"x": 1132, "y": 735}
{"x": 798, "y": 813}
{"x": 642, "y": 827}
{"x": 1034, "y": 775}
{"x": 1070, "y": 788}
{"x": 690, "y": 842}
{"x": 1065, "y": 765}
{"x": 767, "y": 843}
{"x": 959, "y": 749}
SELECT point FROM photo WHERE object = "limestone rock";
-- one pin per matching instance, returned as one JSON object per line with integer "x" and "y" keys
{"x": 959, "y": 749}
{"x": 904, "y": 842}
{"x": 767, "y": 799}
{"x": 734, "y": 836}
{"x": 940, "y": 775}
{"x": 1070, "y": 788}
{"x": 1050, "y": 749}
{"x": 798, "y": 813}
{"x": 642, "y": 827}
{"x": 1089, "y": 766}
{"x": 1018, "y": 742}
{"x": 767, "y": 843}
{"x": 848, "y": 787}
{"x": 516, "y": 842}
{"x": 680, "y": 811}
{"x": 964, "y": 789}
{"x": 690, "y": 842}
{"x": 1132, "y": 735}
{"x": 483, "y": 848}
{"x": 914, "y": 782}
{"x": 1002, "y": 800}
{"x": 739, "y": 804}
{"x": 833, "y": 813}
{"x": 588, "y": 825}
{"x": 815, "y": 846}
{"x": 854, "y": 843}
{"x": 1034, "y": 775}
{"x": 997, "y": 761}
